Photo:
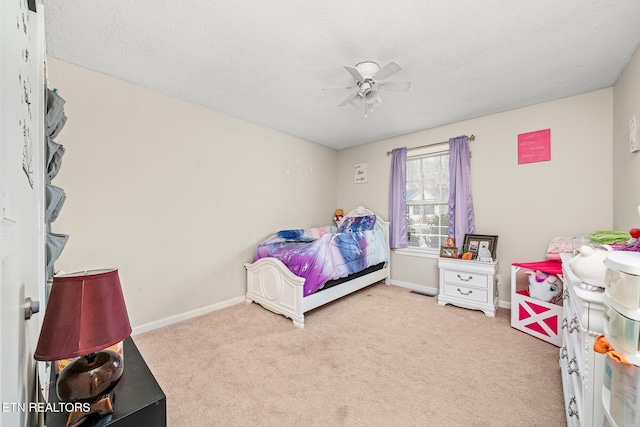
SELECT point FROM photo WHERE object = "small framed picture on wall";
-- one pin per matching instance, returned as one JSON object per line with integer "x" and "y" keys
{"x": 360, "y": 173}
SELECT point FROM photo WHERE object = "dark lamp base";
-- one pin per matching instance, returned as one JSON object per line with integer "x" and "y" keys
{"x": 90, "y": 377}
{"x": 100, "y": 407}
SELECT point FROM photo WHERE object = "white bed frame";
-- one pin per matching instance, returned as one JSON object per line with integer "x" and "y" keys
{"x": 272, "y": 285}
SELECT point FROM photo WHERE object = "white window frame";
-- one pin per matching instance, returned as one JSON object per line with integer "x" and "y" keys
{"x": 413, "y": 154}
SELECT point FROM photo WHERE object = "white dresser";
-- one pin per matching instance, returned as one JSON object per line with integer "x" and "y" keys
{"x": 469, "y": 284}
{"x": 582, "y": 368}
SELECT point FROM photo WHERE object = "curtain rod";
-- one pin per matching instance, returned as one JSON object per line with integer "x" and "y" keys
{"x": 471, "y": 138}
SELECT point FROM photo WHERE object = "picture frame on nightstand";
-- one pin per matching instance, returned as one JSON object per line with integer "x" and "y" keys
{"x": 448, "y": 252}
{"x": 473, "y": 242}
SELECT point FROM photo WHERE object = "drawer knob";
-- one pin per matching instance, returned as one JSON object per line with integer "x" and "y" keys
{"x": 470, "y": 291}
{"x": 464, "y": 280}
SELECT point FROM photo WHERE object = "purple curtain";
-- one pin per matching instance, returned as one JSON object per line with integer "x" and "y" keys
{"x": 461, "y": 216}
{"x": 398, "y": 237}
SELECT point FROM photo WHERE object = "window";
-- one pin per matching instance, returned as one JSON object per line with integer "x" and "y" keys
{"x": 428, "y": 197}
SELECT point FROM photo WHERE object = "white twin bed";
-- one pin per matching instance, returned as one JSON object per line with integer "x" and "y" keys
{"x": 272, "y": 285}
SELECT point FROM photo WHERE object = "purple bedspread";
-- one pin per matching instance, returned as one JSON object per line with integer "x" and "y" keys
{"x": 320, "y": 254}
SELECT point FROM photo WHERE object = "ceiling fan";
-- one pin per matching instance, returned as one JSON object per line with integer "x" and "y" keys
{"x": 369, "y": 79}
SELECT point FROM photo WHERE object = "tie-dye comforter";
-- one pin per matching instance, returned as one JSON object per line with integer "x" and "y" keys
{"x": 321, "y": 254}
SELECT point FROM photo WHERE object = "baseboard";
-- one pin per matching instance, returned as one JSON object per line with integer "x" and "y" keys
{"x": 427, "y": 290}
{"x": 184, "y": 316}
{"x": 433, "y": 291}
{"x": 504, "y": 304}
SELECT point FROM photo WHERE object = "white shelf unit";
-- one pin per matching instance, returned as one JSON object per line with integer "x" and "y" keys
{"x": 582, "y": 368}
{"x": 540, "y": 319}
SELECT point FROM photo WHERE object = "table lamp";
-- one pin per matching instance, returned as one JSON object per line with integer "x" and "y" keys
{"x": 85, "y": 315}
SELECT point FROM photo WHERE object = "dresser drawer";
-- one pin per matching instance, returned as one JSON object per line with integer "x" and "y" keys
{"x": 466, "y": 278}
{"x": 572, "y": 327}
{"x": 466, "y": 293}
{"x": 573, "y": 363}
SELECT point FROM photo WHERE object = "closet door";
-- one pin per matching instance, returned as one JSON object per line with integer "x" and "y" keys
{"x": 22, "y": 229}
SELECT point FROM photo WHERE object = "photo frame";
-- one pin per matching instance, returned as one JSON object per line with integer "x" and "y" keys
{"x": 360, "y": 173}
{"x": 448, "y": 252}
{"x": 473, "y": 243}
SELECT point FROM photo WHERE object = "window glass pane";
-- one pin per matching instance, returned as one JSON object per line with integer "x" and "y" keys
{"x": 435, "y": 178}
{"x": 414, "y": 180}
{"x": 428, "y": 200}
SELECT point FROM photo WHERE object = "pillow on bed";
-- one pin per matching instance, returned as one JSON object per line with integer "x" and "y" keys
{"x": 304, "y": 235}
{"x": 354, "y": 224}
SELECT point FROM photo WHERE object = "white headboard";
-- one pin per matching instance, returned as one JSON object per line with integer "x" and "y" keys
{"x": 380, "y": 223}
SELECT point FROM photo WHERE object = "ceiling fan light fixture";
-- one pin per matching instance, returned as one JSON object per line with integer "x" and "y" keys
{"x": 370, "y": 96}
{"x": 369, "y": 79}
{"x": 368, "y": 69}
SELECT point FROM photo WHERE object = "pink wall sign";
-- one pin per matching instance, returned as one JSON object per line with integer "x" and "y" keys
{"x": 534, "y": 146}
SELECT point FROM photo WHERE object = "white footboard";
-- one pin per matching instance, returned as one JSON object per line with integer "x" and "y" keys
{"x": 272, "y": 285}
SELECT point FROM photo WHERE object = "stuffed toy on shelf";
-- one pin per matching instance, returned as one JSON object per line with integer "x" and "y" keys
{"x": 545, "y": 287}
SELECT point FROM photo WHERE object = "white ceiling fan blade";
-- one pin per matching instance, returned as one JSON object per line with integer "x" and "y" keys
{"x": 388, "y": 70}
{"x": 395, "y": 86}
{"x": 339, "y": 87}
{"x": 356, "y": 102}
{"x": 349, "y": 99}
{"x": 355, "y": 73}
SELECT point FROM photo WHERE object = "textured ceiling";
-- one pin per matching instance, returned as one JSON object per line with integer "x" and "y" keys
{"x": 268, "y": 61}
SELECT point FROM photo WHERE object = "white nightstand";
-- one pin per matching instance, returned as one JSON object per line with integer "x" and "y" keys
{"x": 469, "y": 284}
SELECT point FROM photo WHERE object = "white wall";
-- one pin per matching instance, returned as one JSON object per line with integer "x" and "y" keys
{"x": 525, "y": 205}
{"x": 152, "y": 190}
{"x": 175, "y": 195}
{"x": 626, "y": 165}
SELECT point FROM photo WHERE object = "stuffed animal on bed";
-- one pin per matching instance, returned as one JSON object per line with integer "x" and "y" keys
{"x": 545, "y": 287}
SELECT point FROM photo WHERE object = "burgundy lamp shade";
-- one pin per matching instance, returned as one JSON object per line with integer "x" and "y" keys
{"x": 85, "y": 313}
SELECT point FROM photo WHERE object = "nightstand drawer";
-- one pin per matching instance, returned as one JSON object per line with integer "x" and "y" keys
{"x": 468, "y": 284}
{"x": 466, "y": 278}
{"x": 466, "y": 292}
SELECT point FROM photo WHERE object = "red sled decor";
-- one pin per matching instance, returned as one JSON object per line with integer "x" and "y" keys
{"x": 535, "y": 317}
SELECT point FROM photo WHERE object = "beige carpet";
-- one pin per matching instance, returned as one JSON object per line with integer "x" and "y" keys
{"x": 384, "y": 356}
